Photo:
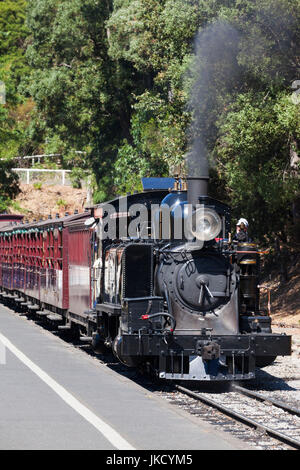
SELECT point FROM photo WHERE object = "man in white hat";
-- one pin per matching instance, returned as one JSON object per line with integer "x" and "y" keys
{"x": 241, "y": 234}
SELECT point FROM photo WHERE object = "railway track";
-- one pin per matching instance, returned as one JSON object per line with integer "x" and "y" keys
{"x": 269, "y": 416}
{"x": 283, "y": 428}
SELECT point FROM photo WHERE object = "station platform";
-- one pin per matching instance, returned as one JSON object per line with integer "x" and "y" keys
{"x": 54, "y": 396}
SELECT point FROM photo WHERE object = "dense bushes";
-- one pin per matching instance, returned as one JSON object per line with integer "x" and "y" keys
{"x": 112, "y": 79}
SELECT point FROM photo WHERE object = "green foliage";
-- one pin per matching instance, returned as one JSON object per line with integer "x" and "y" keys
{"x": 77, "y": 176}
{"x": 253, "y": 156}
{"x": 81, "y": 96}
{"x": 9, "y": 184}
{"x": 131, "y": 167}
{"x": 61, "y": 203}
{"x": 156, "y": 40}
{"x": 13, "y": 115}
{"x": 12, "y": 26}
{"x": 112, "y": 80}
{"x": 150, "y": 34}
{"x": 15, "y": 206}
{"x": 271, "y": 38}
{"x": 13, "y": 35}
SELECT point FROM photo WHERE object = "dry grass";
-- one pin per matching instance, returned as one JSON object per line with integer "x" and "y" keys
{"x": 285, "y": 296}
{"x": 39, "y": 203}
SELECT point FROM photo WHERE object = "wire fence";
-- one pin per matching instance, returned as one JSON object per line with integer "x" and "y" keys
{"x": 48, "y": 177}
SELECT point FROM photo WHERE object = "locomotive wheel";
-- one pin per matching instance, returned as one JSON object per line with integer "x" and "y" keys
{"x": 264, "y": 361}
{"x": 98, "y": 344}
{"x": 100, "y": 348}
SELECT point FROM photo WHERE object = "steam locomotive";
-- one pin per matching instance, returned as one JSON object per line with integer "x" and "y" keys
{"x": 152, "y": 276}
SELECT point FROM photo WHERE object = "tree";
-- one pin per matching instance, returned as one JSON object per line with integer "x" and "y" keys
{"x": 253, "y": 155}
{"x": 12, "y": 114}
{"x": 82, "y": 97}
{"x": 156, "y": 40}
{"x": 258, "y": 129}
{"x": 9, "y": 184}
{"x": 113, "y": 80}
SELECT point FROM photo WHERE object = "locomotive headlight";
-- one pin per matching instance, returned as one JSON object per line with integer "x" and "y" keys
{"x": 205, "y": 224}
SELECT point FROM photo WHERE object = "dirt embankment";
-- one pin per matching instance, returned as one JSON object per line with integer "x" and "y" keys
{"x": 285, "y": 294}
{"x": 37, "y": 203}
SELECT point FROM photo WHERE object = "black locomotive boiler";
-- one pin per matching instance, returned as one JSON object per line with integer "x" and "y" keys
{"x": 187, "y": 307}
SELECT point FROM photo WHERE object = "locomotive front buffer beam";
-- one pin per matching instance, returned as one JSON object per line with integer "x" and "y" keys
{"x": 203, "y": 358}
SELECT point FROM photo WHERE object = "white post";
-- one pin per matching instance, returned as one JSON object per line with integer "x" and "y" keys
{"x": 28, "y": 176}
{"x": 89, "y": 195}
{"x": 63, "y": 177}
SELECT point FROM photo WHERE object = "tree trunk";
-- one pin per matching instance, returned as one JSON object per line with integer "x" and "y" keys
{"x": 282, "y": 256}
{"x": 294, "y": 164}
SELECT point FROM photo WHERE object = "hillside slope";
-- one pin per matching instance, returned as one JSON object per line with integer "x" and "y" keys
{"x": 40, "y": 203}
{"x": 285, "y": 294}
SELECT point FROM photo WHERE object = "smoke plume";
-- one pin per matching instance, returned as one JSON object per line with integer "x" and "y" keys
{"x": 263, "y": 51}
{"x": 213, "y": 73}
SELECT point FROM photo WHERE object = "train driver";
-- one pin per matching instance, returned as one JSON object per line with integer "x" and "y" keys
{"x": 241, "y": 234}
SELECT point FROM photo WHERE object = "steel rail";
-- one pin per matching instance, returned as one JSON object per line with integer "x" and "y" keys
{"x": 258, "y": 396}
{"x": 239, "y": 417}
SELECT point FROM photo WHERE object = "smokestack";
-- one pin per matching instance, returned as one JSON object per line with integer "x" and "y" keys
{"x": 197, "y": 187}
{"x": 198, "y": 174}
